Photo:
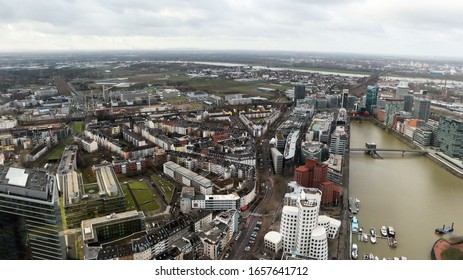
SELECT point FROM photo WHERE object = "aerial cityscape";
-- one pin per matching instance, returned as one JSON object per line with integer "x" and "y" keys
{"x": 218, "y": 151}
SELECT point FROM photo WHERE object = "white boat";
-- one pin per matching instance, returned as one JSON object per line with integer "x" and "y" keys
{"x": 372, "y": 257}
{"x": 390, "y": 231}
{"x": 365, "y": 237}
{"x": 373, "y": 235}
{"x": 384, "y": 231}
{"x": 366, "y": 257}
{"x": 355, "y": 255}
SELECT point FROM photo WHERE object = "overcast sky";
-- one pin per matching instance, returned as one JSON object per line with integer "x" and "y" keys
{"x": 400, "y": 27}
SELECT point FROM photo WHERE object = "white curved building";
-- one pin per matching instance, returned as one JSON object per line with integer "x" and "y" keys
{"x": 288, "y": 227}
{"x": 318, "y": 244}
{"x": 303, "y": 231}
{"x": 273, "y": 241}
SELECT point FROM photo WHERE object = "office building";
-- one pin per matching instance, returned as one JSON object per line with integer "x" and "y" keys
{"x": 311, "y": 173}
{"x": 421, "y": 109}
{"x": 82, "y": 202}
{"x": 301, "y": 231}
{"x": 299, "y": 93}
{"x": 111, "y": 227}
{"x": 277, "y": 160}
{"x": 272, "y": 241}
{"x": 30, "y": 216}
{"x": 392, "y": 107}
{"x": 450, "y": 136}
{"x": 402, "y": 90}
{"x": 314, "y": 150}
{"x": 339, "y": 141}
{"x": 371, "y": 98}
{"x": 408, "y": 102}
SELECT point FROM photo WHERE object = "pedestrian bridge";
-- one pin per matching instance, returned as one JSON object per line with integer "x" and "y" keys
{"x": 371, "y": 149}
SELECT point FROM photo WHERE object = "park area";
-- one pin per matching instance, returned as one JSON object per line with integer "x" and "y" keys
{"x": 166, "y": 187}
{"x": 137, "y": 193}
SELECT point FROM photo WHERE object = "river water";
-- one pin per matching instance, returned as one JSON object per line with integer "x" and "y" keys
{"x": 410, "y": 193}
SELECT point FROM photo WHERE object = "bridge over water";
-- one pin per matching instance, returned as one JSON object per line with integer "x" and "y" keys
{"x": 371, "y": 149}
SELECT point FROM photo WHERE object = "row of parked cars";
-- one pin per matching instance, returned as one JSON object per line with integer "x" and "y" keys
{"x": 252, "y": 239}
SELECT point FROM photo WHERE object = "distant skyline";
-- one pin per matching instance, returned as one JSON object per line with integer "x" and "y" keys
{"x": 427, "y": 28}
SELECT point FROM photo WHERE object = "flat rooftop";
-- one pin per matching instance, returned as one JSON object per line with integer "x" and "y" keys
{"x": 27, "y": 183}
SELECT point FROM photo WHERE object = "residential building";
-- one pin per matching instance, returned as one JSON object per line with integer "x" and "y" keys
{"x": 89, "y": 145}
{"x": 37, "y": 152}
{"x": 188, "y": 178}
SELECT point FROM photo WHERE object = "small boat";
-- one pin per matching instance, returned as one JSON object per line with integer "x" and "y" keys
{"x": 372, "y": 231}
{"x": 365, "y": 238}
{"x": 357, "y": 202}
{"x": 366, "y": 257}
{"x": 384, "y": 231}
{"x": 354, "y": 252}
{"x": 392, "y": 242}
{"x": 376, "y": 258}
{"x": 361, "y": 230}
{"x": 372, "y": 257}
{"x": 403, "y": 258}
{"x": 373, "y": 239}
{"x": 444, "y": 229}
{"x": 390, "y": 231}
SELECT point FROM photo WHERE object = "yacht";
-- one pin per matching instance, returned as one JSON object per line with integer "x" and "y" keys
{"x": 390, "y": 231}
{"x": 354, "y": 251}
{"x": 384, "y": 231}
{"x": 373, "y": 235}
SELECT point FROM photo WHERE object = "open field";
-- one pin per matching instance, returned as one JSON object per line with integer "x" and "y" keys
{"x": 166, "y": 187}
{"x": 78, "y": 127}
{"x": 129, "y": 203}
{"x": 56, "y": 154}
{"x": 143, "y": 196}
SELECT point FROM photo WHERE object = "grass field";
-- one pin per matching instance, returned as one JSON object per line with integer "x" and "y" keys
{"x": 56, "y": 154}
{"x": 143, "y": 196}
{"x": 166, "y": 187}
{"x": 63, "y": 215}
{"x": 129, "y": 204}
{"x": 78, "y": 127}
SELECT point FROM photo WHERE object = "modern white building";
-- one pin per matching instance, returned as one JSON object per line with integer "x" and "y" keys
{"x": 273, "y": 241}
{"x": 339, "y": 139}
{"x": 89, "y": 145}
{"x": 303, "y": 232}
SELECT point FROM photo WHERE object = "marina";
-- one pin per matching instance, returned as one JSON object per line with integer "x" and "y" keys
{"x": 393, "y": 190}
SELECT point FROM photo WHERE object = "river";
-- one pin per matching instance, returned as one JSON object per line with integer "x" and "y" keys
{"x": 410, "y": 193}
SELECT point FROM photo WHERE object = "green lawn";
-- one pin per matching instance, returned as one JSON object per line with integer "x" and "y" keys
{"x": 166, "y": 187}
{"x": 179, "y": 100}
{"x": 63, "y": 215}
{"x": 452, "y": 254}
{"x": 129, "y": 204}
{"x": 78, "y": 127}
{"x": 143, "y": 196}
{"x": 56, "y": 154}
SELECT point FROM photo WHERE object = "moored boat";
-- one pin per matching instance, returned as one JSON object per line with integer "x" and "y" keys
{"x": 384, "y": 231}
{"x": 390, "y": 231}
{"x": 392, "y": 242}
{"x": 444, "y": 229}
{"x": 366, "y": 257}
